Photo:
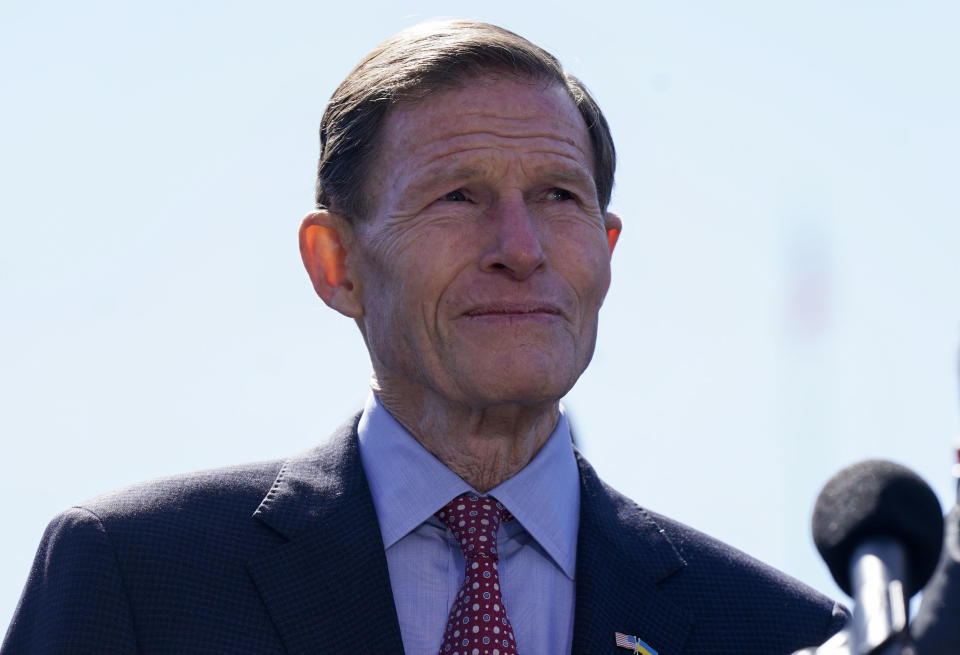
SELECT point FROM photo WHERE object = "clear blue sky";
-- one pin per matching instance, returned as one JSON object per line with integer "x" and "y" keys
{"x": 786, "y": 294}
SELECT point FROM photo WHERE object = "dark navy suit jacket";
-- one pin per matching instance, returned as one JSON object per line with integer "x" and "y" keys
{"x": 287, "y": 558}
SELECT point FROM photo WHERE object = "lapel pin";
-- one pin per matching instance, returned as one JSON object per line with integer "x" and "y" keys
{"x": 634, "y": 644}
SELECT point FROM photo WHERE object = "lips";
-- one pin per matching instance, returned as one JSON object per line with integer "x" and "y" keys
{"x": 513, "y": 310}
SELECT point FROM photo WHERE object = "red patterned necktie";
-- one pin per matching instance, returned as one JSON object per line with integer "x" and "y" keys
{"x": 478, "y": 623}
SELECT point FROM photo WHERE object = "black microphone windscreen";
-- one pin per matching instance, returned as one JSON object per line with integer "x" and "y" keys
{"x": 875, "y": 499}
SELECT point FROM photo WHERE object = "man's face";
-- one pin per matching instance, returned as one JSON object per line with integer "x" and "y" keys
{"x": 486, "y": 259}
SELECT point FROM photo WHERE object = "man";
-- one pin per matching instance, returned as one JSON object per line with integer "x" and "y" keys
{"x": 462, "y": 223}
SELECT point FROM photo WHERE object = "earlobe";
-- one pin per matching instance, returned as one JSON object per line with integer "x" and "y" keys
{"x": 325, "y": 239}
{"x": 613, "y": 226}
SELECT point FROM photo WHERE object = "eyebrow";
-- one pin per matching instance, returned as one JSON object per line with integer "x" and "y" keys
{"x": 574, "y": 175}
{"x": 442, "y": 178}
{"x": 571, "y": 176}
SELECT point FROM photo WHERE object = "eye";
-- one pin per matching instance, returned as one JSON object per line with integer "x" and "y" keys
{"x": 454, "y": 196}
{"x": 560, "y": 194}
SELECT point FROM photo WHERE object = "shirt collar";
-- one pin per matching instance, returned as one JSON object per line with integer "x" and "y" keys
{"x": 409, "y": 485}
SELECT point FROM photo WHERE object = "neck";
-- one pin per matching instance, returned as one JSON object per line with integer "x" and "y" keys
{"x": 484, "y": 446}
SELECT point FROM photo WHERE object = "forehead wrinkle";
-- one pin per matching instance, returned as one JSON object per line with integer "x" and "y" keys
{"x": 512, "y": 127}
{"x": 486, "y": 154}
{"x": 477, "y": 143}
{"x": 517, "y": 139}
{"x": 509, "y": 116}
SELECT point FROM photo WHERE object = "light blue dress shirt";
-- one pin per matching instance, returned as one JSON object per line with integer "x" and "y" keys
{"x": 537, "y": 549}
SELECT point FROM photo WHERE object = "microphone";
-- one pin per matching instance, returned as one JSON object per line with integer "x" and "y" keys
{"x": 878, "y": 527}
{"x": 936, "y": 629}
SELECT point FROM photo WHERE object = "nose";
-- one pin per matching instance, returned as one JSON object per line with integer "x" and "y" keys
{"x": 516, "y": 248}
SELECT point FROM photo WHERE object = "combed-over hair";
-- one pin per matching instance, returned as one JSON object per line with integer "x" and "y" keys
{"x": 414, "y": 63}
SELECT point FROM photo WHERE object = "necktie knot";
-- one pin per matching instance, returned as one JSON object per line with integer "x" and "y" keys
{"x": 474, "y": 521}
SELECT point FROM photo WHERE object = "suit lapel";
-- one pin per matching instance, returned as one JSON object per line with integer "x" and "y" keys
{"x": 622, "y": 558}
{"x": 326, "y": 588}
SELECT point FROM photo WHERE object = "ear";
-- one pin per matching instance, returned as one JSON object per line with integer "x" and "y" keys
{"x": 613, "y": 225}
{"x": 325, "y": 242}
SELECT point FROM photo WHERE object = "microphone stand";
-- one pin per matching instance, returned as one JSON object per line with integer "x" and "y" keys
{"x": 880, "y": 607}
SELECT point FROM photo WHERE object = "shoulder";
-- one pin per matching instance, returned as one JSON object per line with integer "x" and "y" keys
{"x": 728, "y": 576}
{"x": 215, "y": 505}
{"x": 685, "y": 553}
{"x": 183, "y": 494}
{"x": 167, "y": 560}
{"x": 707, "y": 556}
{"x": 742, "y": 598}
{"x": 176, "y": 504}
{"x": 183, "y": 516}
{"x": 748, "y": 601}
{"x": 733, "y": 599}
{"x": 104, "y": 561}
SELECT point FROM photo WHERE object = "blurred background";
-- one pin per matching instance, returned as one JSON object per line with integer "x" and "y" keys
{"x": 786, "y": 291}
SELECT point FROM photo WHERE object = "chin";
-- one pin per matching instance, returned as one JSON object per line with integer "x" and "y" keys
{"x": 506, "y": 387}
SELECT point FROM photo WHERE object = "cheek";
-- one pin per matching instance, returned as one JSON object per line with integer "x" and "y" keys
{"x": 402, "y": 304}
{"x": 585, "y": 263}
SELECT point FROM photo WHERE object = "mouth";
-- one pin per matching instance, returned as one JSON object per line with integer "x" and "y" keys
{"x": 514, "y": 311}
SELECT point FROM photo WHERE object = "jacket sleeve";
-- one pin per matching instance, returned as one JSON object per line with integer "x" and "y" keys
{"x": 74, "y": 601}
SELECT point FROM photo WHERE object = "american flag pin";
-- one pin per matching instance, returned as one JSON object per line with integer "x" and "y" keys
{"x": 634, "y": 644}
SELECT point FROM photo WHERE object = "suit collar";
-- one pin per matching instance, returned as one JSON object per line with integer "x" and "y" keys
{"x": 623, "y": 559}
{"x": 311, "y": 483}
{"x": 326, "y": 587}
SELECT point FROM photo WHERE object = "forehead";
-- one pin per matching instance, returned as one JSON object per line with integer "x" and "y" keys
{"x": 485, "y": 114}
